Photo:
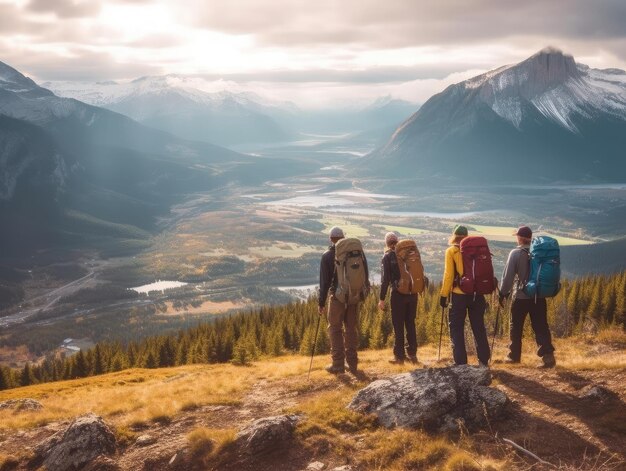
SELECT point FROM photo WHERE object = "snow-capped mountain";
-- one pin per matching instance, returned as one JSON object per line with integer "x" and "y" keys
{"x": 546, "y": 118}
{"x": 191, "y": 107}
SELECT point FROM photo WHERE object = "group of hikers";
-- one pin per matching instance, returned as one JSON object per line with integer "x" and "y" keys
{"x": 531, "y": 275}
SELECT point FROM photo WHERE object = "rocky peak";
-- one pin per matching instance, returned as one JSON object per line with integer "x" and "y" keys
{"x": 550, "y": 67}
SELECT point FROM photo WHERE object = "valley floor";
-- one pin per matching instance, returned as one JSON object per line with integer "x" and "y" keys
{"x": 551, "y": 414}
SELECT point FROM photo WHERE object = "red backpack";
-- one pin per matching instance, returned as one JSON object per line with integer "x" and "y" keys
{"x": 477, "y": 267}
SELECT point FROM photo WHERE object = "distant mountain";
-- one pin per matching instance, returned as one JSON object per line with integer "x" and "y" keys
{"x": 544, "y": 119}
{"x": 180, "y": 105}
{"x": 379, "y": 118}
{"x": 73, "y": 174}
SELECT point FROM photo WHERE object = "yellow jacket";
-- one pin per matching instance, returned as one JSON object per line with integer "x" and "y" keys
{"x": 453, "y": 266}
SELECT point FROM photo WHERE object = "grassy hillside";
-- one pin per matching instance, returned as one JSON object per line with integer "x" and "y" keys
{"x": 198, "y": 408}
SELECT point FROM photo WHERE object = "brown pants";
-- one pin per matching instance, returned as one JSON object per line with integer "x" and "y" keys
{"x": 343, "y": 334}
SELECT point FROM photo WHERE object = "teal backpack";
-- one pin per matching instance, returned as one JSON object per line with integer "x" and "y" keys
{"x": 545, "y": 268}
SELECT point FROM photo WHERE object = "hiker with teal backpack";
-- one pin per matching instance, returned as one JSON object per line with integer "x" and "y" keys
{"x": 532, "y": 274}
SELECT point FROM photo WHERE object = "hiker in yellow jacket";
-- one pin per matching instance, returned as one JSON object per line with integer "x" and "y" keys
{"x": 462, "y": 305}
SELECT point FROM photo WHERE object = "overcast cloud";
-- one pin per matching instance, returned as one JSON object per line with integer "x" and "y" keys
{"x": 311, "y": 50}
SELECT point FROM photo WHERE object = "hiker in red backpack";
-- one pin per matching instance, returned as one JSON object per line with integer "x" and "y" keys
{"x": 344, "y": 299}
{"x": 463, "y": 303}
{"x": 515, "y": 277}
{"x": 403, "y": 306}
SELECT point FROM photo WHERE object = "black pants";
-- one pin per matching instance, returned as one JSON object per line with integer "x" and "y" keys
{"x": 462, "y": 305}
{"x": 539, "y": 321}
{"x": 403, "y": 312}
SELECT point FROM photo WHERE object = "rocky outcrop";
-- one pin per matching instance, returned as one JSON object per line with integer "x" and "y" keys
{"x": 436, "y": 399}
{"x": 266, "y": 434}
{"x": 25, "y": 404}
{"x": 85, "y": 439}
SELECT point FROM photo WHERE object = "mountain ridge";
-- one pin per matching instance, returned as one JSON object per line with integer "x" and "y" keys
{"x": 546, "y": 110}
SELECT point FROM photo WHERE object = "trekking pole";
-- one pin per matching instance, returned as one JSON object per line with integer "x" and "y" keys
{"x": 440, "y": 333}
{"x": 495, "y": 330}
{"x": 319, "y": 318}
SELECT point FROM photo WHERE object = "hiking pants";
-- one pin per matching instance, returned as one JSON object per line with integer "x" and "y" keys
{"x": 462, "y": 305}
{"x": 539, "y": 322}
{"x": 343, "y": 334}
{"x": 403, "y": 313}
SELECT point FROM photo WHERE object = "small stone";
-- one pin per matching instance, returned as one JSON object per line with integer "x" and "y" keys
{"x": 599, "y": 393}
{"x": 145, "y": 440}
{"x": 20, "y": 405}
{"x": 316, "y": 466}
{"x": 173, "y": 460}
{"x": 345, "y": 467}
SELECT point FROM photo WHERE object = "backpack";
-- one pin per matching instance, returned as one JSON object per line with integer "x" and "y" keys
{"x": 545, "y": 268}
{"x": 352, "y": 282}
{"x": 410, "y": 268}
{"x": 477, "y": 275}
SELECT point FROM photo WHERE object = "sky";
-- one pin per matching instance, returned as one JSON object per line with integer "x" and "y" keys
{"x": 314, "y": 53}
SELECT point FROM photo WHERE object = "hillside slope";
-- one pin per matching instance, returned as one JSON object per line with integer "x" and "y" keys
{"x": 194, "y": 411}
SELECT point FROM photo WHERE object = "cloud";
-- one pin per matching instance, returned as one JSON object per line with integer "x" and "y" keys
{"x": 80, "y": 66}
{"x": 352, "y": 47}
{"x": 65, "y": 8}
{"x": 395, "y": 24}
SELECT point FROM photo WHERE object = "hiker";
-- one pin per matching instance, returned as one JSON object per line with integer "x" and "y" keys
{"x": 515, "y": 276}
{"x": 344, "y": 298}
{"x": 463, "y": 303}
{"x": 403, "y": 303}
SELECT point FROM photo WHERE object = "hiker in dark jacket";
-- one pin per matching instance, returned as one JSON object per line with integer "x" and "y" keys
{"x": 403, "y": 306}
{"x": 342, "y": 318}
{"x": 463, "y": 305}
{"x": 514, "y": 278}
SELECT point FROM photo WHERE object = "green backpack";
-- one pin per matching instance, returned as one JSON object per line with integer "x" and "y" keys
{"x": 352, "y": 282}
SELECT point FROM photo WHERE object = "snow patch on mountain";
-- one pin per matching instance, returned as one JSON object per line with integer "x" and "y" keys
{"x": 212, "y": 93}
{"x": 555, "y": 86}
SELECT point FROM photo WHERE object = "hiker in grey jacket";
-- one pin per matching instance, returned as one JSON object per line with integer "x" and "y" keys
{"x": 514, "y": 278}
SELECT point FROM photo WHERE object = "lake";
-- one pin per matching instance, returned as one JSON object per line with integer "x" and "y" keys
{"x": 158, "y": 286}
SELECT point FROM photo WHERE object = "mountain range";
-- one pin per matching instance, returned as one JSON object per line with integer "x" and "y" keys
{"x": 71, "y": 171}
{"x": 546, "y": 118}
{"x": 184, "y": 106}
{"x": 229, "y": 114}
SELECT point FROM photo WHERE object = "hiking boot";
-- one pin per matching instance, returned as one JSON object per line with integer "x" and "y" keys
{"x": 547, "y": 361}
{"x": 335, "y": 370}
{"x": 481, "y": 363}
{"x": 413, "y": 359}
{"x": 353, "y": 369}
{"x": 397, "y": 361}
{"x": 509, "y": 361}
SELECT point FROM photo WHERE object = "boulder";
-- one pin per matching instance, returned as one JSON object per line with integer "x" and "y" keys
{"x": 86, "y": 438}
{"x": 435, "y": 399}
{"x": 19, "y": 405}
{"x": 266, "y": 434}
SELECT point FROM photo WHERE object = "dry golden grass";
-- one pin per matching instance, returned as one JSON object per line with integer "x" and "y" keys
{"x": 144, "y": 396}
{"x": 206, "y": 443}
{"x": 140, "y": 396}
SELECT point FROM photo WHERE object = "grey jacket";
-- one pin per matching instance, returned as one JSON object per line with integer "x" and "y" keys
{"x": 516, "y": 271}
